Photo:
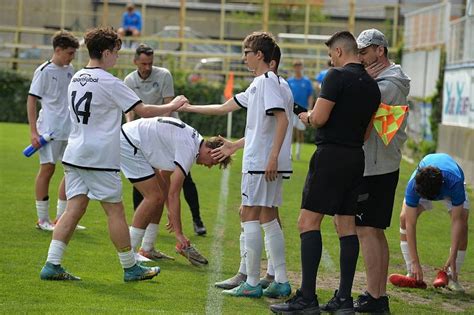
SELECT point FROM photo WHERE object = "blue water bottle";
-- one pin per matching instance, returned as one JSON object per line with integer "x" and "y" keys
{"x": 43, "y": 139}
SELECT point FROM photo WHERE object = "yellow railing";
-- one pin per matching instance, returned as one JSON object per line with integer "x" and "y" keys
{"x": 26, "y": 56}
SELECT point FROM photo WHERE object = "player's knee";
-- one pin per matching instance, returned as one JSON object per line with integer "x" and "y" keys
{"x": 402, "y": 220}
{"x": 305, "y": 225}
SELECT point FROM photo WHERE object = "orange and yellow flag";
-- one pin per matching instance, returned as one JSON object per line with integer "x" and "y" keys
{"x": 229, "y": 87}
{"x": 388, "y": 119}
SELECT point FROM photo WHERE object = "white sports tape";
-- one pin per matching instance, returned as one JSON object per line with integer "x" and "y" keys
{"x": 402, "y": 231}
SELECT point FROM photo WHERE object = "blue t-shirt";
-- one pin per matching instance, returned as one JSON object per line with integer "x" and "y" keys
{"x": 320, "y": 77}
{"x": 302, "y": 89}
{"x": 453, "y": 180}
{"x": 133, "y": 20}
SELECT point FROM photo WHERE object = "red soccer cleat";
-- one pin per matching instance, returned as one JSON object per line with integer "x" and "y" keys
{"x": 406, "y": 282}
{"x": 441, "y": 279}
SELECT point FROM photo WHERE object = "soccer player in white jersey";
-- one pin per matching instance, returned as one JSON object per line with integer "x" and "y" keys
{"x": 156, "y": 156}
{"x": 49, "y": 87}
{"x": 220, "y": 153}
{"x": 154, "y": 85}
{"x": 266, "y": 161}
{"x": 92, "y": 156}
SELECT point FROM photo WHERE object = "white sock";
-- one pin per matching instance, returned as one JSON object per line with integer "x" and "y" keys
{"x": 276, "y": 248}
{"x": 253, "y": 250}
{"x": 406, "y": 255}
{"x": 149, "y": 238}
{"x": 56, "y": 252}
{"x": 460, "y": 260}
{"x": 60, "y": 208}
{"x": 243, "y": 267}
{"x": 298, "y": 148}
{"x": 42, "y": 209}
{"x": 136, "y": 236}
{"x": 127, "y": 259}
{"x": 270, "y": 270}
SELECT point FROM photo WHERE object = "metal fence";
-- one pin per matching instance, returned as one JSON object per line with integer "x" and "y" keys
{"x": 460, "y": 49}
{"x": 26, "y": 27}
{"x": 427, "y": 27}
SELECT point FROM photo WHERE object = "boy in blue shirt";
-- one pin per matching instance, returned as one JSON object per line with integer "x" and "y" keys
{"x": 437, "y": 177}
{"x": 302, "y": 90}
{"x": 131, "y": 22}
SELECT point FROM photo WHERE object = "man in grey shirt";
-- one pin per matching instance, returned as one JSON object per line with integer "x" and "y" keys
{"x": 155, "y": 85}
{"x": 382, "y": 163}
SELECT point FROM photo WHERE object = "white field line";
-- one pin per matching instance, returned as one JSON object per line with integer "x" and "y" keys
{"x": 326, "y": 261}
{"x": 214, "y": 297}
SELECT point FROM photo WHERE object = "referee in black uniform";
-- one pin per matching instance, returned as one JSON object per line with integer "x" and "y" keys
{"x": 348, "y": 99}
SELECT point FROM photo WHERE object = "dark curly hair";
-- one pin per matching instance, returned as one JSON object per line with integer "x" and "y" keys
{"x": 65, "y": 40}
{"x": 428, "y": 182}
{"x": 100, "y": 39}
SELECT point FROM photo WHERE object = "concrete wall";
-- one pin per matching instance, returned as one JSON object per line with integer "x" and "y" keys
{"x": 422, "y": 67}
{"x": 459, "y": 143}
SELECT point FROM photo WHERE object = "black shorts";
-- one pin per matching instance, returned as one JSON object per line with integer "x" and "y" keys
{"x": 375, "y": 203}
{"x": 333, "y": 180}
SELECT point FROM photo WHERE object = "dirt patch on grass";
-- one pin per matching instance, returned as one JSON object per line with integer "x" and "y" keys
{"x": 446, "y": 300}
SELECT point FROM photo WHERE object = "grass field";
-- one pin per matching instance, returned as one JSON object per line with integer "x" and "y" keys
{"x": 182, "y": 288}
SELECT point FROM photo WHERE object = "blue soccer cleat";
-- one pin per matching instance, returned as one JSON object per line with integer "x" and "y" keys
{"x": 138, "y": 273}
{"x": 55, "y": 272}
{"x": 277, "y": 290}
{"x": 246, "y": 290}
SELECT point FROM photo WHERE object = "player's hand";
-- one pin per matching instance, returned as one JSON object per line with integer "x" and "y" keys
{"x": 416, "y": 271}
{"x": 222, "y": 152}
{"x": 35, "y": 139}
{"x": 375, "y": 69}
{"x": 450, "y": 265}
{"x": 184, "y": 108}
{"x": 304, "y": 118}
{"x": 182, "y": 240}
{"x": 178, "y": 101}
{"x": 271, "y": 171}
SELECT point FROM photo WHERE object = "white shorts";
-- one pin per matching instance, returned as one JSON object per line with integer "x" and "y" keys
{"x": 133, "y": 163}
{"x": 298, "y": 124}
{"x": 52, "y": 152}
{"x": 428, "y": 204}
{"x": 97, "y": 185}
{"x": 256, "y": 191}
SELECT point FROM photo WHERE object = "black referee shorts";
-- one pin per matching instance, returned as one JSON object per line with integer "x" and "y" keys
{"x": 333, "y": 180}
{"x": 375, "y": 202}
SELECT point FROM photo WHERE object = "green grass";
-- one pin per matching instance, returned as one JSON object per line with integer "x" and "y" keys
{"x": 182, "y": 288}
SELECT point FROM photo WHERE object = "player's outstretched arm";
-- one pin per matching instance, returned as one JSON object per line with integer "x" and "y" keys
{"x": 145, "y": 110}
{"x": 411, "y": 218}
{"x": 214, "y": 109}
{"x": 227, "y": 149}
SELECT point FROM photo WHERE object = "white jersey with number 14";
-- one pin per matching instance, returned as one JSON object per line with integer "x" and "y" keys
{"x": 96, "y": 102}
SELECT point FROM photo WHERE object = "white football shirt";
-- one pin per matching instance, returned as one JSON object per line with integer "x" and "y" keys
{"x": 266, "y": 93}
{"x": 49, "y": 85}
{"x": 96, "y": 101}
{"x": 165, "y": 142}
